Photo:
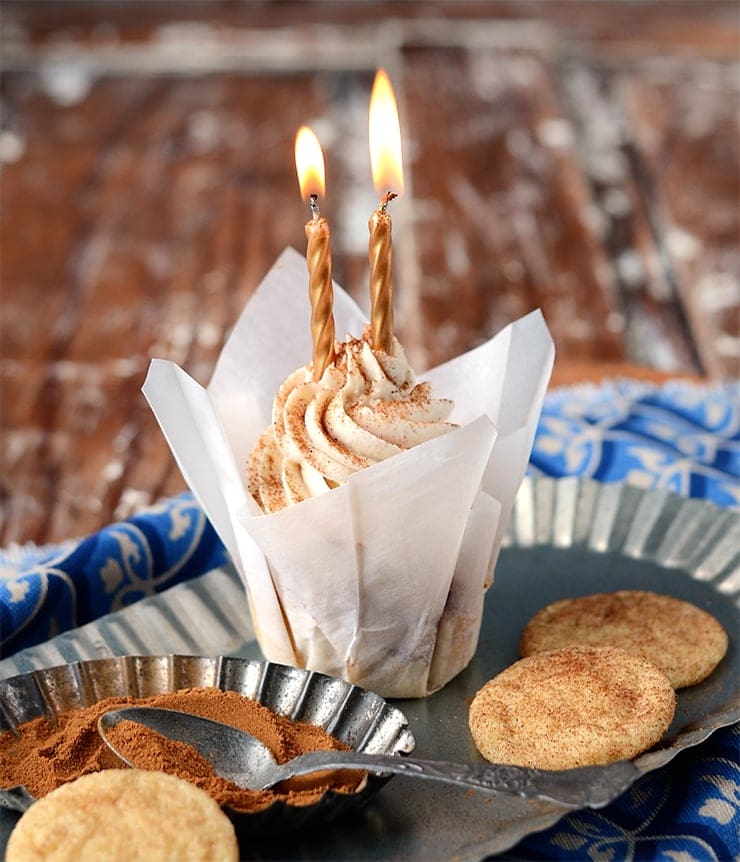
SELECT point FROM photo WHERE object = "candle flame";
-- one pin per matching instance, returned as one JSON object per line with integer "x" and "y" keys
{"x": 385, "y": 137}
{"x": 309, "y": 163}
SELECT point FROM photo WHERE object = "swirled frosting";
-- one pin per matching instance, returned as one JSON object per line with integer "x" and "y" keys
{"x": 366, "y": 407}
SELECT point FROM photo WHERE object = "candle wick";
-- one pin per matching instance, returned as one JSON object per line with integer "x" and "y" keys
{"x": 386, "y": 199}
{"x": 313, "y": 202}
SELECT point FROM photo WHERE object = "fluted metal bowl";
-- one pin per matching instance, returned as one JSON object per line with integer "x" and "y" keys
{"x": 359, "y": 718}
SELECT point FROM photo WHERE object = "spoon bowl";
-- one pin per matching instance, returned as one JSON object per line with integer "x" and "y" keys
{"x": 234, "y": 755}
{"x": 243, "y": 759}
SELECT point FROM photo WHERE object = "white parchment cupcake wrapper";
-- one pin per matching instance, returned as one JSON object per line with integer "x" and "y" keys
{"x": 381, "y": 581}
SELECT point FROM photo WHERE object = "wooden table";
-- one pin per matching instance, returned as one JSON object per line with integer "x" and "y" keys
{"x": 576, "y": 156}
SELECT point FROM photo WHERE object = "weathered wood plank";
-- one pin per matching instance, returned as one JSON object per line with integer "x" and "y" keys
{"x": 684, "y": 118}
{"x": 502, "y": 208}
{"x": 159, "y": 230}
{"x": 655, "y": 331}
{"x": 699, "y": 27}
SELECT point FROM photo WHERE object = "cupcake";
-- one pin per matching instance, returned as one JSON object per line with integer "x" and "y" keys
{"x": 363, "y": 511}
{"x": 366, "y": 407}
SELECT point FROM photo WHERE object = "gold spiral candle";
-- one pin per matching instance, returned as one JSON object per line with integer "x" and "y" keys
{"x": 380, "y": 251}
{"x": 321, "y": 293}
{"x": 309, "y": 160}
{"x": 387, "y": 169}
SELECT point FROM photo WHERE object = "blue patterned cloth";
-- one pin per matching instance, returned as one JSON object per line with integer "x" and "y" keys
{"x": 45, "y": 591}
{"x": 679, "y": 437}
{"x": 685, "y": 812}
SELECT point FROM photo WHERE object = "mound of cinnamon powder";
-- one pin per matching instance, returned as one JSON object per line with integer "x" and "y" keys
{"x": 44, "y": 755}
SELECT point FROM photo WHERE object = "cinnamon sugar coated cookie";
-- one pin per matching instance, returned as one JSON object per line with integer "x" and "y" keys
{"x": 684, "y": 641}
{"x": 577, "y": 706}
{"x": 124, "y": 815}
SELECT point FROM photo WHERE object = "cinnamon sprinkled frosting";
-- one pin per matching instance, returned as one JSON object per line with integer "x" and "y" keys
{"x": 366, "y": 408}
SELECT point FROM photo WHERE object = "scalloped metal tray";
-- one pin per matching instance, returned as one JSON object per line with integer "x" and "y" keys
{"x": 566, "y": 537}
{"x": 361, "y": 719}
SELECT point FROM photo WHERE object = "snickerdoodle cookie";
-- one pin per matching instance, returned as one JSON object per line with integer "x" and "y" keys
{"x": 124, "y": 815}
{"x": 577, "y": 706}
{"x": 684, "y": 641}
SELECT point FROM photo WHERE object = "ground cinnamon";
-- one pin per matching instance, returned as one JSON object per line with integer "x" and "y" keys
{"x": 45, "y": 755}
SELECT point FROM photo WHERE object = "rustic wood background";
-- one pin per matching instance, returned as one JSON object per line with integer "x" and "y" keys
{"x": 577, "y": 156}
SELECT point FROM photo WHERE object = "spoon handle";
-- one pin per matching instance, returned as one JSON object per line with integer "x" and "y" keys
{"x": 586, "y": 786}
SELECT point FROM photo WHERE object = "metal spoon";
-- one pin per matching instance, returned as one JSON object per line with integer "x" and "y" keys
{"x": 243, "y": 759}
